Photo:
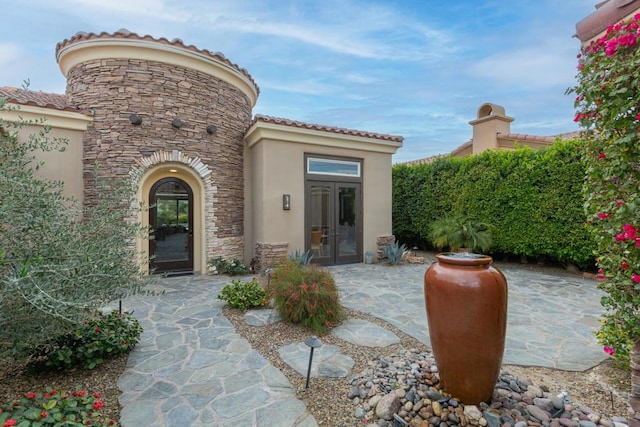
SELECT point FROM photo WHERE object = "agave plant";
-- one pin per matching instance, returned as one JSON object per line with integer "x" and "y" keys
{"x": 455, "y": 233}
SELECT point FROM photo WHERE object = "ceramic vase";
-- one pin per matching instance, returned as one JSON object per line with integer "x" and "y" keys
{"x": 466, "y": 302}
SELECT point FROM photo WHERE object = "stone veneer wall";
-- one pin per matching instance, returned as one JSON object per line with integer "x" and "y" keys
{"x": 268, "y": 255}
{"x": 158, "y": 92}
{"x": 381, "y": 242}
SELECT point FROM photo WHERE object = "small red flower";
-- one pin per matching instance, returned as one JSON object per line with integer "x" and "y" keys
{"x": 610, "y": 351}
{"x": 624, "y": 265}
{"x": 603, "y": 215}
{"x": 31, "y": 395}
{"x": 10, "y": 423}
{"x": 602, "y": 156}
{"x": 96, "y": 395}
{"x": 44, "y": 414}
{"x": 98, "y": 329}
{"x": 97, "y": 405}
{"x": 635, "y": 277}
{"x": 601, "y": 274}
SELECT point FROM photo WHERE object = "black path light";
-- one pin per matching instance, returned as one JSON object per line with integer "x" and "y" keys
{"x": 313, "y": 342}
{"x": 119, "y": 293}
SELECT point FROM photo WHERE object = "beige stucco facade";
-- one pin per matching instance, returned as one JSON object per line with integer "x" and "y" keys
{"x": 179, "y": 122}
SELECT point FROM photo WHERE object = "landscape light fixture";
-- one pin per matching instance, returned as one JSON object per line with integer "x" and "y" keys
{"x": 313, "y": 342}
{"x": 286, "y": 202}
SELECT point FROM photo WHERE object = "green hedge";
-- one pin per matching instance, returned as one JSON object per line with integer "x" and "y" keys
{"x": 533, "y": 200}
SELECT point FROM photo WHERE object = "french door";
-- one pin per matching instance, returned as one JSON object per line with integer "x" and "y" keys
{"x": 171, "y": 220}
{"x": 334, "y": 221}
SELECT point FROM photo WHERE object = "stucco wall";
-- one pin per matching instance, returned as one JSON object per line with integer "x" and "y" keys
{"x": 278, "y": 168}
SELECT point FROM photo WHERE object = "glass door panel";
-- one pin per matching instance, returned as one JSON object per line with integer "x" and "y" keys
{"x": 334, "y": 222}
{"x": 171, "y": 220}
{"x": 320, "y": 222}
{"x": 347, "y": 235}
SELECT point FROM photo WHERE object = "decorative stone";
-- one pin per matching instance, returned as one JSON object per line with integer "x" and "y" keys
{"x": 387, "y": 406}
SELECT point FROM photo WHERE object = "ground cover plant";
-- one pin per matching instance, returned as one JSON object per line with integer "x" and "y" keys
{"x": 234, "y": 267}
{"x": 608, "y": 107}
{"x": 243, "y": 295}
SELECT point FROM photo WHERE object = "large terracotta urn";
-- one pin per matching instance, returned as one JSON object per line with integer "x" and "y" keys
{"x": 466, "y": 302}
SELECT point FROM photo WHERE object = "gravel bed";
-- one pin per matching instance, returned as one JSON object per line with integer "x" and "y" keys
{"x": 602, "y": 389}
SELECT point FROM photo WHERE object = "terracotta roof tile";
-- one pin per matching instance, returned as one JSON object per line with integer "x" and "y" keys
{"x": 537, "y": 138}
{"x": 322, "y": 128}
{"x": 37, "y": 98}
{"x": 607, "y": 13}
{"x": 126, "y": 34}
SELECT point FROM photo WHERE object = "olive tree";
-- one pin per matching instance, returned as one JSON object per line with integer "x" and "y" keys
{"x": 59, "y": 261}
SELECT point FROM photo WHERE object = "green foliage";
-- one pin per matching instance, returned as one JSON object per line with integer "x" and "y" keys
{"x": 532, "y": 199}
{"x": 59, "y": 261}
{"x": 394, "y": 252}
{"x": 302, "y": 258}
{"x": 608, "y": 107}
{"x": 55, "y": 408}
{"x": 243, "y": 295}
{"x": 615, "y": 339}
{"x": 235, "y": 267}
{"x": 306, "y": 295}
{"x": 457, "y": 232}
{"x": 101, "y": 337}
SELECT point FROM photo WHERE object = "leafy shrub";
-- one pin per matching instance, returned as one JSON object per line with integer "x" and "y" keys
{"x": 306, "y": 295}
{"x": 302, "y": 258}
{"x": 532, "y": 199}
{"x": 394, "y": 252}
{"x": 243, "y": 295}
{"x": 218, "y": 265}
{"x": 101, "y": 337}
{"x": 55, "y": 408}
{"x": 59, "y": 259}
{"x": 616, "y": 340}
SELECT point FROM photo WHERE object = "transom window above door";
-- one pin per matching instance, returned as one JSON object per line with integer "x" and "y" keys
{"x": 333, "y": 167}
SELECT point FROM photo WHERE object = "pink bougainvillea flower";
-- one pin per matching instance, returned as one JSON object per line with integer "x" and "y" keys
{"x": 603, "y": 215}
{"x": 610, "y": 351}
{"x": 635, "y": 277}
{"x": 602, "y": 156}
{"x": 619, "y": 203}
{"x": 601, "y": 274}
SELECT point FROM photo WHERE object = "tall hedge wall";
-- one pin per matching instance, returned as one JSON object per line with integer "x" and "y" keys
{"x": 533, "y": 200}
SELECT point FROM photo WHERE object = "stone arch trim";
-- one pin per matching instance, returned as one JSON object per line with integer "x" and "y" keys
{"x": 177, "y": 156}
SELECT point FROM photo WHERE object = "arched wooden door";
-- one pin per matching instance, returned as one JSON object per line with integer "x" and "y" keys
{"x": 171, "y": 221}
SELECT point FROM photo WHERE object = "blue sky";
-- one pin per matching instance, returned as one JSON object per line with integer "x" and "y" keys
{"x": 416, "y": 68}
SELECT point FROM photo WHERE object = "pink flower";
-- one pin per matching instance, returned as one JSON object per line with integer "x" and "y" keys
{"x": 619, "y": 203}
{"x": 635, "y": 277}
{"x": 602, "y": 156}
{"x": 638, "y": 116}
{"x": 624, "y": 265}
{"x": 601, "y": 274}
{"x": 610, "y": 351}
{"x": 603, "y": 215}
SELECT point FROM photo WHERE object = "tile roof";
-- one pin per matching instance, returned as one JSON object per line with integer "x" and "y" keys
{"x": 607, "y": 12}
{"x": 123, "y": 33}
{"x": 322, "y": 128}
{"x": 510, "y": 136}
{"x": 53, "y": 101}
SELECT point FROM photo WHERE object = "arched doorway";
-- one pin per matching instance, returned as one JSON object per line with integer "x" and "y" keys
{"x": 171, "y": 223}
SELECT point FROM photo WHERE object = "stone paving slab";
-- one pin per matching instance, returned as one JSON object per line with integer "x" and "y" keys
{"x": 328, "y": 360}
{"x": 550, "y": 320}
{"x": 364, "y": 333}
{"x": 192, "y": 369}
